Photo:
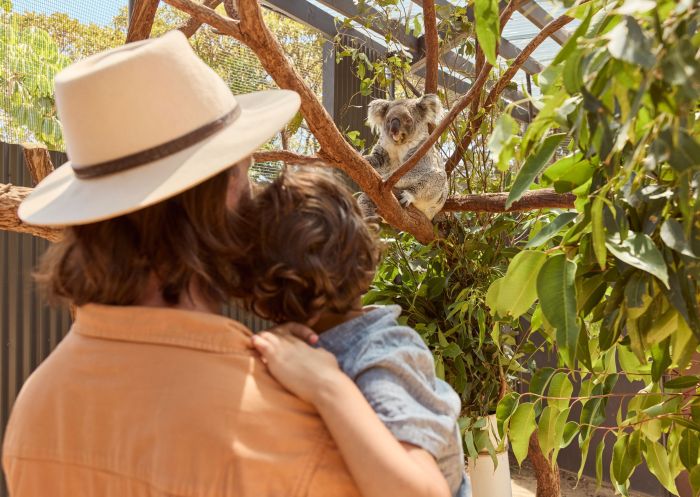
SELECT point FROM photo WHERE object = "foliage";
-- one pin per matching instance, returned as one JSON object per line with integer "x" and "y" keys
{"x": 31, "y": 61}
{"x": 39, "y": 45}
{"x": 442, "y": 290}
{"x": 616, "y": 296}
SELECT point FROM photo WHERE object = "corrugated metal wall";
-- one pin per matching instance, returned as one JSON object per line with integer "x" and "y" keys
{"x": 29, "y": 328}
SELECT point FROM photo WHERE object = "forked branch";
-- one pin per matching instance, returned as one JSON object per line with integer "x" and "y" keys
{"x": 141, "y": 20}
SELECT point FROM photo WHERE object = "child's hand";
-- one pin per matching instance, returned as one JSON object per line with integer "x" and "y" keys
{"x": 299, "y": 330}
{"x": 301, "y": 369}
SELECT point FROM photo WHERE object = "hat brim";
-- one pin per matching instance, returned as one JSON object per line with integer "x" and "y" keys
{"x": 62, "y": 199}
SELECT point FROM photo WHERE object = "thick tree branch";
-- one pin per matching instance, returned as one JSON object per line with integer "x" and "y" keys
{"x": 496, "y": 202}
{"x": 37, "y": 160}
{"x": 431, "y": 47}
{"x": 141, "y": 20}
{"x": 10, "y": 198}
{"x": 193, "y": 24}
{"x": 206, "y": 15}
{"x": 501, "y": 85}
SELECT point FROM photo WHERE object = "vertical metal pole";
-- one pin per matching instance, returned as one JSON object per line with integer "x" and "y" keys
{"x": 328, "y": 73}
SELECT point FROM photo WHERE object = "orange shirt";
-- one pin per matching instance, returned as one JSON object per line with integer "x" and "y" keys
{"x": 142, "y": 401}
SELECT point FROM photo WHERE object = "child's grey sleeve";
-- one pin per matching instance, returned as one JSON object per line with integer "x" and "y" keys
{"x": 396, "y": 374}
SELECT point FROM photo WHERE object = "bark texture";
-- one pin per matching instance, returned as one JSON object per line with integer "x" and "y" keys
{"x": 548, "y": 479}
{"x": 37, "y": 160}
{"x": 141, "y": 20}
{"x": 10, "y": 198}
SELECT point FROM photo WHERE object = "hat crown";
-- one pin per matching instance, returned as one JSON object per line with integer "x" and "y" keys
{"x": 135, "y": 97}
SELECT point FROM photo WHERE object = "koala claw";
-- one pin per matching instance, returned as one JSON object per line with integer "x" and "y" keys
{"x": 406, "y": 198}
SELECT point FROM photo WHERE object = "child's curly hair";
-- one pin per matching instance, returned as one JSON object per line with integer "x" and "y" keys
{"x": 305, "y": 248}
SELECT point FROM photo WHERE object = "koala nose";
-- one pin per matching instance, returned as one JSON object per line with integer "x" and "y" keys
{"x": 395, "y": 125}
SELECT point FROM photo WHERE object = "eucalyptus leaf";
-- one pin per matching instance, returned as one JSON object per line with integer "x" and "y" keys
{"x": 627, "y": 42}
{"x": 550, "y": 230}
{"x": 638, "y": 250}
{"x": 557, "y": 294}
{"x": 533, "y": 166}
{"x": 657, "y": 461}
{"x": 673, "y": 236}
{"x": 486, "y": 16}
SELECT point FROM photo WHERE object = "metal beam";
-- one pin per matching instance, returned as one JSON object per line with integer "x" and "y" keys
{"x": 538, "y": 16}
{"x": 349, "y": 9}
{"x": 506, "y": 49}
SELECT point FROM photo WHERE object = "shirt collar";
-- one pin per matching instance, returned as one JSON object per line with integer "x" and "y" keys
{"x": 164, "y": 326}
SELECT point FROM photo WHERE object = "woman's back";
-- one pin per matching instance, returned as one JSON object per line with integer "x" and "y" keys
{"x": 153, "y": 401}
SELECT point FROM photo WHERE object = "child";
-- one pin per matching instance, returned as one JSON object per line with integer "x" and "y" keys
{"x": 308, "y": 257}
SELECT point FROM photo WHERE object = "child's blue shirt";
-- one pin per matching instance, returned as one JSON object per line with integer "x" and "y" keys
{"x": 395, "y": 371}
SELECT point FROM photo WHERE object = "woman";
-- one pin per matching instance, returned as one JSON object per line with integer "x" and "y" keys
{"x": 151, "y": 392}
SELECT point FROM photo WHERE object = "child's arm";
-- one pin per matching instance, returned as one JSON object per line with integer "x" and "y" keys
{"x": 379, "y": 464}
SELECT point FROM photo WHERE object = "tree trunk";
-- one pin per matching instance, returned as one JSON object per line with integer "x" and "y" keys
{"x": 548, "y": 480}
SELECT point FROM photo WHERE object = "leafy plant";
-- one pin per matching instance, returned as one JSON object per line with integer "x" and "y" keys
{"x": 614, "y": 284}
{"x": 442, "y": 290}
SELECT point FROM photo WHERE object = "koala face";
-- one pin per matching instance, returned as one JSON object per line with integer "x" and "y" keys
{"x": 400, "y": 120}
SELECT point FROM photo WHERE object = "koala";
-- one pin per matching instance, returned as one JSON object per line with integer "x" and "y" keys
{"x": 402, "y": 126}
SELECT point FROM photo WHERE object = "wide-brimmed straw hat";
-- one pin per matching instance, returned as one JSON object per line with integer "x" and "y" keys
{"x": 144, "y": 122}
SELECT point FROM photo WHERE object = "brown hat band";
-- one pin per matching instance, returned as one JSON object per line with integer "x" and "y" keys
{"x": 158, "y": 152}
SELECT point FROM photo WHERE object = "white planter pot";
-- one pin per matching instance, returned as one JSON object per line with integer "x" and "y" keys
{"x": 487, "y": 481}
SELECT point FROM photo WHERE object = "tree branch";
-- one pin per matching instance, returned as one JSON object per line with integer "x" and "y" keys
{"x": 501, "y": 85}
{"x": 431, "y": 47}
{"x": 141, "y": 20}
{"x": 193, "y": 24}
{"x": 496, "y": 202}
{"x": 37, "y": 160}
{"x": 206, "y": 15}
{"x": 10, "y": 198}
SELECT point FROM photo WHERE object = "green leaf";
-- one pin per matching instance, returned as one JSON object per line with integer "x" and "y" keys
{"x": 518, "y": 291}
{"x": 532, "y": 167}
{"x": 561, "y": 387}
{"x": 689, "y": 449}
{"x": 540, "y": 380}
{"x": 599, "y": 463}
{"x": 695, "y": 480}
{"x": 550, "y": 230}
{"x": 550, "y": 430}
{"x": 598, "y": 231}
{"x": 657, "y": 461}
{"x": 557, "y": 293}
{"x": 638, "y": 250}
{"x": 522, "y": 424}
{"x": 622, "y": 466}
{"x": 570, "y": 432}
{"x": 682, "y": 382}
{"x": 672, "y": 235}
{"x": 487, "y": 27}
{"x": 504, "y": 410}
{"x": 627, "y": 42}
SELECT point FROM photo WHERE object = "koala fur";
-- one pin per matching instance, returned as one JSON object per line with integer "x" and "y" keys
{"x": 402, "y": 126}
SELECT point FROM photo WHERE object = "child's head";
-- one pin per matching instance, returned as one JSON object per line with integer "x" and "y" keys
{"x": 307, "y": 249}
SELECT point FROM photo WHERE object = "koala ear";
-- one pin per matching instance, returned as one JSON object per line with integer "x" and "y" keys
{"x": 430, "y": 108}
{"x": 376, "y": 112}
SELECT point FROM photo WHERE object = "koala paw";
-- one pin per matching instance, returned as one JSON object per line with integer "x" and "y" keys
{"x": 406, "y": 198}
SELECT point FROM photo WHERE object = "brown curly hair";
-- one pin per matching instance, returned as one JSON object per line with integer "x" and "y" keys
{"x": 306, "y": 249}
